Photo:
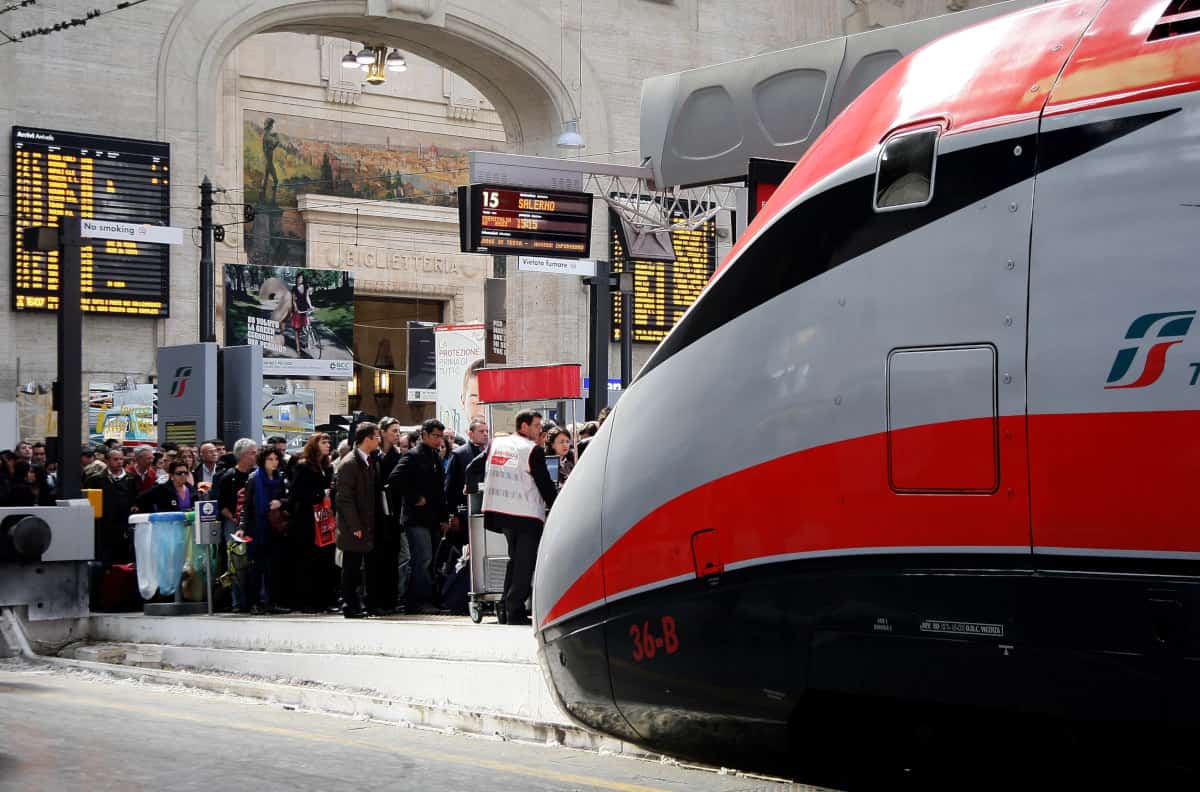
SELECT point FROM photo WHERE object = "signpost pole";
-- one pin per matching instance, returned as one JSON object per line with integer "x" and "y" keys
{"x": 208, "y": 327}
{"x": 626, "y": 284}
{"x": 600, "y": 321}
{"x": 208, "y": 575}
{"x": 70, "y": 359}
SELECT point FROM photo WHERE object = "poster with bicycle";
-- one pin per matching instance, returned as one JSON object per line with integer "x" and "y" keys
{"x": 302, "y": 318}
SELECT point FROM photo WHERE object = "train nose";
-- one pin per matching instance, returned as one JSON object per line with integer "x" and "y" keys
{"x": 568, "y": 598}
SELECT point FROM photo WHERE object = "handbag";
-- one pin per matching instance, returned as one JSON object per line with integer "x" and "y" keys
{"x": 278, "y": 520}
{"x": 326, "y": 528}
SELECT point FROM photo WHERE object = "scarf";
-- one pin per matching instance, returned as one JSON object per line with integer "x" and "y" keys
{"x": 265, "y": 490}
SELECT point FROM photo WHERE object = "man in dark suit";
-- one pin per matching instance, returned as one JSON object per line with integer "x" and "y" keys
{"x": 417, "y": 488}
{"x": 357, "y": 496}
{"x": 391, "y": 545}
{"x": 456, "y": 475}
{"x": 119, "y": 493}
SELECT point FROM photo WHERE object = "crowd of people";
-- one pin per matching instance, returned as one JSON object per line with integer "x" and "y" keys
{"x": 398, "y": 498}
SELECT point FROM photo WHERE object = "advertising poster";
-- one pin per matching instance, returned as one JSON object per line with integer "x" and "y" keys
{"x": 495, "y": 319}
{"x": 302, "y": 318}
{"x": 422, "y": 362}
{"x": 291, "y": 414}
{"x": 126, "y": 414}
{"x": 459, "y": 355}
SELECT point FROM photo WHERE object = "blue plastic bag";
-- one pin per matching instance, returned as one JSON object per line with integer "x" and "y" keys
{"x": 168, "y": 548}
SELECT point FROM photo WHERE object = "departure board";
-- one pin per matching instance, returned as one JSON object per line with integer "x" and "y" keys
{"x": 61, "y": 174}
{"x": 663, "y": 291}
{"x": 525, "y": 220}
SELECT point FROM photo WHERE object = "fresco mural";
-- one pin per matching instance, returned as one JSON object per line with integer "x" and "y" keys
{"x": 286, "y": 156}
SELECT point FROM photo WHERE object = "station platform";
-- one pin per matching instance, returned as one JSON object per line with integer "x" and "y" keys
{"x": 438, "y": 671}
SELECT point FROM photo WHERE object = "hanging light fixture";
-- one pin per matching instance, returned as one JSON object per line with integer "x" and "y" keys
{"x": 570, "y": 137}
{"x": 376, "y": 69}
{"x": 352, "y": 386}
{"x": 375, "y": 61}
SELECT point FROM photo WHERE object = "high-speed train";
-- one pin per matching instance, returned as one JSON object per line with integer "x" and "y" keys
{"x": 932, "y": 432}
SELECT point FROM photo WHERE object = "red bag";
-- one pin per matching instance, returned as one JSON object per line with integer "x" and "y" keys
{"x": 118, "y": 589}
{"x": 324, "y": 522}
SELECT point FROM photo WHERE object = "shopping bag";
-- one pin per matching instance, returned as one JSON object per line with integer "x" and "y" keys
{"x": 325, "y": 524}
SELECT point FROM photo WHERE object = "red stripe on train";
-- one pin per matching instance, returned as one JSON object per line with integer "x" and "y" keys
{"x": 1103, "y": 481}
{"x": 1116, "y": 481}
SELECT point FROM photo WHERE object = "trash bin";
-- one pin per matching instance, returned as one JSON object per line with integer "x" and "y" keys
{"x": 159, "y": 549}
{"x": 168, "y": 540}
{"x": 147, "y": 574}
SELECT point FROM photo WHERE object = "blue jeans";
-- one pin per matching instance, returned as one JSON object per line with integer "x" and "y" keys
{"x": 420, "y": 581}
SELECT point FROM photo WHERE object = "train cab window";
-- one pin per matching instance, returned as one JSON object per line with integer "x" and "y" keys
{"x": 904, "y": 175}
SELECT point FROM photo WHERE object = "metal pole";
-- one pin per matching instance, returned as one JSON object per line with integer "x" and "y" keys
{"x": 626, "y": 339}
{"x": 208, "y": 573}
{"x": 70, "y": 360}
{"x": 600, "y": 321}
{"x": 208, "y": 327}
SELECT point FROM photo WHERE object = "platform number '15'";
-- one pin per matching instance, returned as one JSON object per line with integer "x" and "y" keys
{"x": 646, "y": 644}
{"x": 491, "y": 199}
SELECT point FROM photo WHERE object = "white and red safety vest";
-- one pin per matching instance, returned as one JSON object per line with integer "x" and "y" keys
{"x": 508, "y": 485}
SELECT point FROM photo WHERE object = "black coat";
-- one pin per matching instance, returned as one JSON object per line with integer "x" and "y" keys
{"x": 306, "y": 491}
{"x": 162, "y": 498}
{"x": 387, "y": 518}
{"x": 118, "y": 499}
{"x": 419, "y": 475}
{"x": 456, "y": 476}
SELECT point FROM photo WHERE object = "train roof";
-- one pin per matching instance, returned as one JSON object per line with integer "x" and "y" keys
{"x": 1051, "y": 59}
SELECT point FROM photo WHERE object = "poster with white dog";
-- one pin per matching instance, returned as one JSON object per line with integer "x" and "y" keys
{"x": 302, "y": 318}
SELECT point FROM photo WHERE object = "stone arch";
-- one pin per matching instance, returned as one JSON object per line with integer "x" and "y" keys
{"x": 505, "y": 51}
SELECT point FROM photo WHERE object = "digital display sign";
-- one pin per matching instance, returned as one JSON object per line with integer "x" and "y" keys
{"x": 62, "y": 174}
{"x": 763, "y": 179}
{"x": 663, "y": 291}
{"x": 496, "y": 219}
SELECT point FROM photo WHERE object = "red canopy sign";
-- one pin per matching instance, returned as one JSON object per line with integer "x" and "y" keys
{"x": 530, "y": 383}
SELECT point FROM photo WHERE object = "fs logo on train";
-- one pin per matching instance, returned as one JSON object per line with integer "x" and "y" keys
{"x": 1152, "y": 336}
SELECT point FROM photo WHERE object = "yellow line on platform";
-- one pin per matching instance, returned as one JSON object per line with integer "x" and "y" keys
{"x": 226, "y": 724}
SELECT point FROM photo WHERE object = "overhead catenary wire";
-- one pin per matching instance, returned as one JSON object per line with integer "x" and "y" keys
{"x": 67, "y": 24}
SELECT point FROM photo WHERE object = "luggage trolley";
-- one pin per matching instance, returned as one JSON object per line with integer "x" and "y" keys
{"x": 510, "y": 385}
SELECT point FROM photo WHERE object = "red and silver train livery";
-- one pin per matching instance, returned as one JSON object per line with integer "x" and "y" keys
{"x": 932, "y": 432}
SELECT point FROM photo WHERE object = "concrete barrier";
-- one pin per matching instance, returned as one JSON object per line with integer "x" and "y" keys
{"x": 477, "y": 678}
{"x": 437, "y": 639}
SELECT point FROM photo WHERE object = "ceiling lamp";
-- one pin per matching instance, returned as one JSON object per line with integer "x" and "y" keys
{"x": 376, "y": 70}
{"x": 376, "y": 62}
{"x": 570, "y": 137}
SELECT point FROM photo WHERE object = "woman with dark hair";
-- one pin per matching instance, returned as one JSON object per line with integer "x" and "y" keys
{"x": 263, "y": 521}
{"x": 301, "y": 308}
{"x": 187, "y": 455}
{"x": 175, "y": 494}
{"x": 312, "y": 580}
{"x": 558, "y": 444}
{"x": 24, "y": 487}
